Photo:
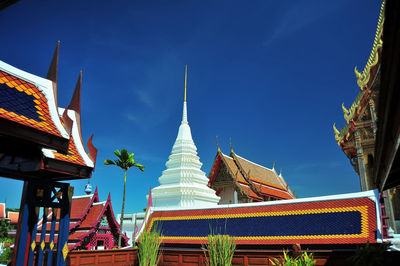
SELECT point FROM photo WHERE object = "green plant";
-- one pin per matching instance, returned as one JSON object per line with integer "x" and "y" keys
{"x": 220, "y": 250}
{"x": 149, "y": 245}
{"x": 6, "y": 256}
{"x": 4, "y": 228}
{"x": 125, "y": 161}
{"x": 305, "y": 259}
{"x": 370, "y": 255}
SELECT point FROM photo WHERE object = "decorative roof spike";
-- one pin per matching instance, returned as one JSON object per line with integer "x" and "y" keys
{"x": 52, "y": 73}
{"x": 109, "y": 196}
{"x": 358, "y": 74}
{"x": 185, "y": 81}
{"x": 280, "y": 172}
{"x": 364, "y": 78}
{"x": 92, "y": 151}
{"x": 337, "y": 133}
{"x": 184, "y": 115}
{"x": 75, "y": 103}
{"x": 273, "y": 166}
{"x": 67, "y": 121}
{"x": 217, "y": 143}
{"x": 230, "y": 144}
{"x": 345, "y": 111}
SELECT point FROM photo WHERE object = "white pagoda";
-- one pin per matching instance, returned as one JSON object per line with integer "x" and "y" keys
{"x": 183, "y": 184}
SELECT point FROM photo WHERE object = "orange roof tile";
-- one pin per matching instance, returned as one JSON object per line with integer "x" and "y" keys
{"x": 13, "y": 216}
{"x": 261, "y": 174}
{"x": 2, "y": 210}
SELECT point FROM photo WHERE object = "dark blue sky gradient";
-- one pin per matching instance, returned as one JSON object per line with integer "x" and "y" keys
{"x": 272, "y": 75}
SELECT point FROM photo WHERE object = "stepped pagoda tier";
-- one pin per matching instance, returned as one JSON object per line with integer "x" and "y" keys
{"x": 238, "y": 180}
{"x": 183, "y": 183}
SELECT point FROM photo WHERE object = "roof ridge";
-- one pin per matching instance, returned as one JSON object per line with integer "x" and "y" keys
{"x": 255, "y": 163}
{"x": 82, "y": 196}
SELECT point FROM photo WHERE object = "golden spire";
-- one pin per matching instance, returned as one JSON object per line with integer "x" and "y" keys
{"x": 185, "y": 80}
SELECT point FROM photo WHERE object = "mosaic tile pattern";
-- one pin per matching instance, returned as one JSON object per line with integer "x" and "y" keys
{"x": 72, "y": 156}
{"x": 325, "y": 222}
{"x": 24, "y": 103}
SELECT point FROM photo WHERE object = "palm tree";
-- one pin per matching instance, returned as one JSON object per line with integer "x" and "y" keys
{"x": 125, "y": 161}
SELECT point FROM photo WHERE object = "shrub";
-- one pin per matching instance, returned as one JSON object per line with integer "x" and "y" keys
{"x": 220, "y": 250}
{"x": 304, "y": 260}
{"x": 6, "y": 256}
{"x": 370, "y": 255}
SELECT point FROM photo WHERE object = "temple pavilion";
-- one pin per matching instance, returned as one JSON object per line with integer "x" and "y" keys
{"x": 238, "y": 180}
{"x": 92, "y": 224}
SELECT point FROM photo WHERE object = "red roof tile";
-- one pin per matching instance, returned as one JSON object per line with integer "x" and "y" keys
{"x": 92, "y": 216}
{"x": 78, "y": 206}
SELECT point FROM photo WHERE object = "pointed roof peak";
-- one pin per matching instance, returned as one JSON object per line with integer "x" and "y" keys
{"x": 52, "y": 73}
{"x": 217, "y": 143}
{"x": 185, "y": 81}
{"x": 230, "y": 144}
{"x": 75, "y": 103}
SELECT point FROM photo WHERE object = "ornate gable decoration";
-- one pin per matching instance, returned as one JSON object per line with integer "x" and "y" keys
{"x": 29, "y": 111}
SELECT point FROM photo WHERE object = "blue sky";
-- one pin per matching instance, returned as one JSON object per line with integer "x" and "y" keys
{"x": 272, "y": 75}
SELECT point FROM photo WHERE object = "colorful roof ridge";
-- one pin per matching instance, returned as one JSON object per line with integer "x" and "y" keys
{"x": 364, "y": 78}
{"x": 365, "y": 81}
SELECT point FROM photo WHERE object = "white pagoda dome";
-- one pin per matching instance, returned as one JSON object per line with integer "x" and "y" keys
{"x": 183, "y": 183}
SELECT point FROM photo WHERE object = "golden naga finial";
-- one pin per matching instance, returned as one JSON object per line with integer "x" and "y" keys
{"x": 345, "y": 111}
{"x": 358, "y": 74}
{"x": 217, "y": 143}
{"x": 230, "y": 144}
{"x": 337, "y": 133}
{"x": 185, "y": 80}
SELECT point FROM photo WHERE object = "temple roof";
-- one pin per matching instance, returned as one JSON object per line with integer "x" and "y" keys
{"x": 86, "y": 213}
{"x": 253, "y": 179}
{"x": 366, "y": 80}
{"x": 29, "y": 111}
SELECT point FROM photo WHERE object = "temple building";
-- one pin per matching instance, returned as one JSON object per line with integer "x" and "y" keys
{"x": 238, "y": 180}
{"x": 183, "y": 183}
{"x": 358, "y": 138}
{"x": 92, "y": 224}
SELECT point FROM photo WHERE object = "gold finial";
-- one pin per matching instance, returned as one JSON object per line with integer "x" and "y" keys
{"x": 358, "y": 74}
{"x": 345, "y": 111}
{"x": 185, "y": 80}
{"x": 230, "y": 144}
{"x": 218, "y": 144}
